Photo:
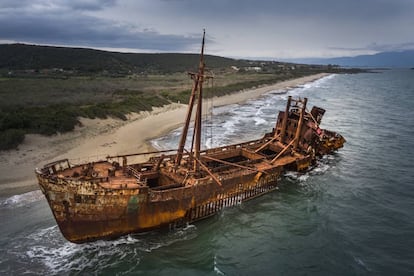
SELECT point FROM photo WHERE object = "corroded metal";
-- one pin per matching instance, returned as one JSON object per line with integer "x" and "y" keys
{"x": 110, "y": 198}
{"x": 105, "y": 199}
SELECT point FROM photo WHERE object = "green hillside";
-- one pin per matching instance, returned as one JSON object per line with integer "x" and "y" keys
{"x": 25, "y": 57}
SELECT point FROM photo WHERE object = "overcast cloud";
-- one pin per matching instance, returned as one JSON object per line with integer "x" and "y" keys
{"x": 235, "y": 28}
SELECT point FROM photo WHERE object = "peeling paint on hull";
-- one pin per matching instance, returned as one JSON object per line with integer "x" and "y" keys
{"x": 94, "y": 213}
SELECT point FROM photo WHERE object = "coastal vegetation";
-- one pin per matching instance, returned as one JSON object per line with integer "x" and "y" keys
{"x": 45, "y": 89}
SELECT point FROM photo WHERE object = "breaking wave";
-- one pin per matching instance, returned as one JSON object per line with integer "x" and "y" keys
{"x": 50, "y": 253}
{"x": 57, "y": 256}
{"x": 21, "y": 200}
{"x": 240, "y": 122}
{"x": 322, "y": 165}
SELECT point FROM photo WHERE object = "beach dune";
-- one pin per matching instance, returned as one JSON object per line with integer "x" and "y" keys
{"x": 98, "y": 138}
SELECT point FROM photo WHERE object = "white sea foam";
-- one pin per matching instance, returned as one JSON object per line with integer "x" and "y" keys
{"x": 320, "y": 168}
{"x": 216, "y": 269}
{"x": 209, "y": 143}
{"x": 66, "y": 257}
{"x": 296, "y": 176}
{"x": 319, "y": 82}
{"x": 297, "y": 91}
{"x": 22, "y": 199}
{"x": 48, "y": 247}
{"x": 259, "y": 112}
{"x": 291, "y": 175}
{"x": 156, "y": 144}
{"x": 325, "y": 79}
{"x": 229, "y": 127}
{"x": 259, "y": 121}
{"x": 224, "y": 109}
{"x": 303, "y": 177}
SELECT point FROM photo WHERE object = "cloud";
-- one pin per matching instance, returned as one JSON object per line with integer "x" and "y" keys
{"x": 91, "y": 5}
{"x": 47, "y": 5}
{"x": 65, "y": 25}
{"x": 238, "y": 28}
{"x": 334, "y": 10}
{"x": 294, "y": 28}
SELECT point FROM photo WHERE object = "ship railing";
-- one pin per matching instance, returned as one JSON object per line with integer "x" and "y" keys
{"x": 246, "y": 163}
{"x": 253, "y": 144}
{"x": 136, "y": 174}
{"x": 87, "y": 159}
{"x": 54, "y": 167}
{"x": 233, "y": 147}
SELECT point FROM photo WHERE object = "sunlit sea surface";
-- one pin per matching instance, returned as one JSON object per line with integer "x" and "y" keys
{"x": 352, "y": 214}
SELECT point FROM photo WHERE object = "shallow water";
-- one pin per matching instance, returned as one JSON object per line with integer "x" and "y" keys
{"x": 353, "y": 214}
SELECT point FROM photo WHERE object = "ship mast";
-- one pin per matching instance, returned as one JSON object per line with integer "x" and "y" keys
{"x": 197, "y": 91}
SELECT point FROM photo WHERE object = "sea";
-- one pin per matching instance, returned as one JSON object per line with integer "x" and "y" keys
{"x": 351, "y": 214}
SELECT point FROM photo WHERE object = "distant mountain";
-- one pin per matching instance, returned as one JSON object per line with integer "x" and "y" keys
{"x": 402, "y": 59}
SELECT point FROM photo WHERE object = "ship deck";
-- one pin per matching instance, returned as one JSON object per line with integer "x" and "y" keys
{"x": 225, "y": 162}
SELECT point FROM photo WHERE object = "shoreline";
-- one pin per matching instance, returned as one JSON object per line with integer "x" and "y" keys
{"x": 98, "y": 138}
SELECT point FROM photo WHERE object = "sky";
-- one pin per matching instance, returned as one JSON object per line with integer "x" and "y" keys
{"x": 268, "y": 29}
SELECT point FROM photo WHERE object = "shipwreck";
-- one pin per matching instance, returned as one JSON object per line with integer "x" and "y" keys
{"x": 113, "y": 197}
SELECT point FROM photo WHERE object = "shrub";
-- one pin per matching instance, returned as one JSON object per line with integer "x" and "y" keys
{"x": 11, "y": 138}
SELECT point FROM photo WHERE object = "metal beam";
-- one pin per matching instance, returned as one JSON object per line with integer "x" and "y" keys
{"x": 233, "y": 164}
{"x": 300, "y": 123}
{"x": 282, "y": 152}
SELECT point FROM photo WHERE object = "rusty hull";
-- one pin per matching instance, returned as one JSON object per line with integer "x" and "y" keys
{"x": 107, "y": 199}
{"x": 88, "y": 208}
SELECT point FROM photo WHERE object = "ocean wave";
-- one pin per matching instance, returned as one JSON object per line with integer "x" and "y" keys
{"x": 298, "y": 90}
{"x": 22, "y": 199}
{"x": 57, "y": 256}
{"x": 319, "y": 82}
{"x": 259, "y": 121}
{"x": 216, "y": 269}
{"x": 239, "y": 122}
{"x": 320, "y": 168}
{"x": 155, "y": 143}
{"x": 297, "y": 176}
{"x": 60, "y": 256}
{"x": 229, "y": 126}
{"x": 322, "y": 165}
{"x": 224, "y": 109}
{"x": 259, "y": 112}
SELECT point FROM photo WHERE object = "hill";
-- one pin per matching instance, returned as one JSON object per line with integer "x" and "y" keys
{"x": 25, "y": 57}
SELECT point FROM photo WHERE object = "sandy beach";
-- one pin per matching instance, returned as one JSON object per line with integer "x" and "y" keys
{"x": 98, "y": 138}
